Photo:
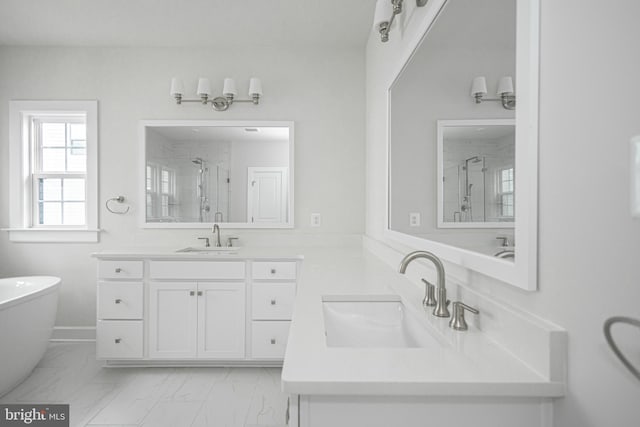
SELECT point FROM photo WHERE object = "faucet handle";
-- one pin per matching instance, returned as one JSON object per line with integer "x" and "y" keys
{"x": 457, "y": 321}
{"x": 206, "y": 241}
{"x": 230, "y": 241}
{"x": 505, "y": 241}
{"x": 429, "y": 294}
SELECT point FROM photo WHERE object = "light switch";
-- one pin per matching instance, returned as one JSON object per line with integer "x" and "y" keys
{"x": 316, "y": 219}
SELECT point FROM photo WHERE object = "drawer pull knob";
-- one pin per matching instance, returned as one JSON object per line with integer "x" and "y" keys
{"x": 273, "y": 271}
{"x": 118, "y": 340}
{"x": 192, "y": 293}
{"x": 273, "y": 302}
{"x": 118, "y": 301}
{"x": 118, "y": 270}
{"x": 273, "y": 340}
{"x": 199, "y": 293}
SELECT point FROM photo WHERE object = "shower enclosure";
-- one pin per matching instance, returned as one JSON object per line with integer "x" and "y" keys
{"x": 211, "y": 191}
{"x": 465, "y": 184}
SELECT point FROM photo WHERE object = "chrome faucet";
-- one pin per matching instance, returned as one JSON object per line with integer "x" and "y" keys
{"x": 216, "y": 233}
{"x": 441, "y": 309}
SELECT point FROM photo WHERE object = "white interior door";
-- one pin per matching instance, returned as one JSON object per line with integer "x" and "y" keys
{"x": 172, "y": 320}
{"x": 267, "y": 195}
{"x": 221, "y": 320}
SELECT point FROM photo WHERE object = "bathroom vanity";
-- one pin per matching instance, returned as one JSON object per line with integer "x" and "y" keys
{"x": 186, "y": 308}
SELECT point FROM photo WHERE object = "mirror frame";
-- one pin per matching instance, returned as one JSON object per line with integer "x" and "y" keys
{"x": 522, "y": 272}
{"x": 142, "y": 149}
{"x": 441, "y": 125}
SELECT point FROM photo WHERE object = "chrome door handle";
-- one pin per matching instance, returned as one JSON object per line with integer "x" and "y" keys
{"x": 273, "y": 340}
{"x": 192, "y": 293}
{"x": 118, "y": 301}
{"x": 199, "y": 293}
{"x": 118, "y": 270}
{"x": 273, "y": 302}
{"x": 273, "y": 271}
{"x": 118, "y": 340}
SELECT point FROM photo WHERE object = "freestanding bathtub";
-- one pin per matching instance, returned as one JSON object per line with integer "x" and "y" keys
{"x": 28, "y": 308}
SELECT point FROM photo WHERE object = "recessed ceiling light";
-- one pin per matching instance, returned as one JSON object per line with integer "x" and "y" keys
{"x": 251, "y": 129}
{"x": 195, "y": 129}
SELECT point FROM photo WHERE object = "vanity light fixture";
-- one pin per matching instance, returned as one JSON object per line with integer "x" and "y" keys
{"x": 219, "y": 103}
{"x": 384, "y": 8}
{"x": 505, "y": 91}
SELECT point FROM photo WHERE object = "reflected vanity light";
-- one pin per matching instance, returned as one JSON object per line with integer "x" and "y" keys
{"x": 505, "y": 91}
{"x": 382, "y": 22}
{"x": 219, "y": 103}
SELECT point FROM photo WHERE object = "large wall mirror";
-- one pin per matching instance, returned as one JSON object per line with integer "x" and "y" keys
{"x": 199, "y": 173}
{"x": 463, "y": 171}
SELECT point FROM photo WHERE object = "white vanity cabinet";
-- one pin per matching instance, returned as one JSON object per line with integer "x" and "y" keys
{"x": 194, "y": 310}
{"x": 119, "y": 327}
{"x": 196, "y": 320}
{"x": 273, "y": 295}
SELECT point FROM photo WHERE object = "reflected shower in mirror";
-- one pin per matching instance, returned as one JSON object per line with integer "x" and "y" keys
{"x": 207, "y": 173}
{"x": 451, "y": 159}
{"x": 476, "y": 170}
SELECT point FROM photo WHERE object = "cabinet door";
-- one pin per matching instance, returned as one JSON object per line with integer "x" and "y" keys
{"x": 221, "y": 320}
{"x": 172, "y": 320}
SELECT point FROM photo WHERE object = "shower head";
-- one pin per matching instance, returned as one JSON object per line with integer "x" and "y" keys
{"x": 474, "y": 159}
{"x": 197, "y": 161}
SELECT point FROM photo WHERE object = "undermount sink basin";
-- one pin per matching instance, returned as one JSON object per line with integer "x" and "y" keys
{"x": 211, "y": 250}
{"x": 375, "y": 321}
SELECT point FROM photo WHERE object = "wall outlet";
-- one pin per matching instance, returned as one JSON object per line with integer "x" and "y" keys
{"x": 316, "y": 219}
{"x": 414, "y": 219}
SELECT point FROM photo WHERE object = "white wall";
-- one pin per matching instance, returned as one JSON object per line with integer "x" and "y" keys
{"x": 133, "y": 84}
{"x": 589, "y": 245}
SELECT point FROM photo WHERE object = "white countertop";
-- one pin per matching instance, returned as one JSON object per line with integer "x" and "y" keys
{"x": 467, "y": 364}
{"x": 265, "y": 253}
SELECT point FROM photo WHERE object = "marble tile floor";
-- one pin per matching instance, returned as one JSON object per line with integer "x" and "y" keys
{"x": 152, "y": 397}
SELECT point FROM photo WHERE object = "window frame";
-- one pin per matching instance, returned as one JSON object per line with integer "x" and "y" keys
{"x": 23, "y": 226}
{"x": 500, "y": 194}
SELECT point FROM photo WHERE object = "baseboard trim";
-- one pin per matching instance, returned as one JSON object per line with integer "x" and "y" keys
{"x": 73, "y": 334}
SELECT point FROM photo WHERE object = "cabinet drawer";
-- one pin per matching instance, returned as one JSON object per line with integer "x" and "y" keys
{"x": 119, "y": 339}
{"x": 272, "y": 301}
{"x": 274, "y": 270}
{"x": 269, "y": 339}
{"x": 198, "y": 270}
{"x": 119, "y": 300}
{"x": 120, "y": 269}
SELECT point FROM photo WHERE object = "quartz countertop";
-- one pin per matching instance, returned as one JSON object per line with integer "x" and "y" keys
{"x": 467, "y": 364}
{"x": 257, "y": 253}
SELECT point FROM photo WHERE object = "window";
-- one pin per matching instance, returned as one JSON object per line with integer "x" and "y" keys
{"x": 160, "y": 192}
{"x": 53, "y": 171}
{"x": 506, "y": 192}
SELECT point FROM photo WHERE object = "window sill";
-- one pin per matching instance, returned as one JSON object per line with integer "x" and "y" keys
{"x": 53, "y": 235}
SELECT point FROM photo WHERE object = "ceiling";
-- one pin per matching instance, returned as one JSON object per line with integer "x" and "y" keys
{"x": 223, "y": 133}
{"x": 194, "y": 23}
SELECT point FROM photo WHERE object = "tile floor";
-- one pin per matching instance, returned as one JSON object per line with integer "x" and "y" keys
{"x": 152, "y": 397}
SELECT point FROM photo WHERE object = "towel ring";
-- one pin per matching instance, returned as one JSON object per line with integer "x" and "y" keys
{"x": 614, "y": 347}
{"x": 119, "y": 199}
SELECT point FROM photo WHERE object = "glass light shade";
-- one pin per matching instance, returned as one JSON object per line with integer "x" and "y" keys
{"x": 384, "y": 10}
{"x": 229, "y": 88}
{"x": 479, "y": 86}
{"x": 204, "y": 87}
{"x": 255, "y": 87}
{"x": 505, "y": 86}
{"x": 176, "y": 87}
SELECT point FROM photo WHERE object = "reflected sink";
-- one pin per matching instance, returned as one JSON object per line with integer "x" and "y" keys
{"x": 211, "y": 250}
{"x": 374, "y": 321}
